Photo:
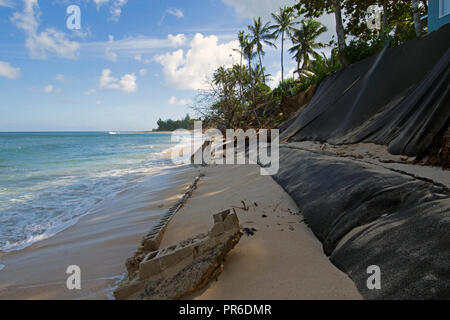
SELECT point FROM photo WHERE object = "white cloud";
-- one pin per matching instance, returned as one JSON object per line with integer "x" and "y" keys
{"x": 190, "y": 70}
{"x": 127, "y": 83}
{"x": 257, "y": 8}
{"x": 51, "y": 89}
{"x": 90, "y": 92}
{"x": 133, "y": 47}
{"x": 178, "y": 40}
{"x": 48, "y": 89}
{"x": 115, "y": 8}
{"x": 275, "y": 80}
{"x": 172, "y": 100}
{"x": 8, "y": 71}
{"x": 110, "y": 55}
{"x": 181, "y": 102}
{"x": 6, "y": 3}
{"x": 49, "y": 41}
{"x": 178, "y": 13}
{"x": 143, "y": 72}
{"x": 100, "y": 2}
{"x": 175, "y": 12}
{"x": 60, "y": 77}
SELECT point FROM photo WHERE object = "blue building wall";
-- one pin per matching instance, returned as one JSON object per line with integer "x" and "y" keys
{"x": 435, "y": 20}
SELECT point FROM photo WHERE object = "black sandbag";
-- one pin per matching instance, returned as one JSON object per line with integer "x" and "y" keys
{"x": 338, "y": 195}
{"x": 397, "y": 98}
{"x": 412, "y": 249}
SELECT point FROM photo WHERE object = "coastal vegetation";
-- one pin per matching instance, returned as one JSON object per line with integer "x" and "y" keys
{"x": 239, "y": 95}
{"x": 172, "y": 125}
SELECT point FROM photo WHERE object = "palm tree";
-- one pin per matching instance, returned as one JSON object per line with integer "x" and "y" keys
{"x": 340, "y": 30}
{"x": 416, "y": 15}
{"x": 258, "y": 73}
{"x": 243, "y": 42}
{"x": 305, "y": 43}
{"x": 243, "y": 39}
{"x": 284, "y": 24}
{"x": 249, "y": 54}
{"x": 259, "y": 35}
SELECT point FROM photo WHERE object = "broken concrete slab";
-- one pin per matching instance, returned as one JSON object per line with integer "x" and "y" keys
{"x": 189, "y": 265}
{"x": 152, "y": 240}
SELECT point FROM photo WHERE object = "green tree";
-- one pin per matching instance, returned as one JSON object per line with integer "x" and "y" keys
{"x": 243, "y": 43}
{"x": 316, "y": 8}
{"x": 305, "y": 42}
{"x": 400, "y": 18}
{"x": 222, "y": 101}
{"x": 259, "y": 35}
{"x": 172, "y": 125}
{"x": 249, "y": 51}
{"x": 284, "y": 25}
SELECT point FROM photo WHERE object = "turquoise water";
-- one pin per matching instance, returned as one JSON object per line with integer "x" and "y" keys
{"x": 49, "y": 180}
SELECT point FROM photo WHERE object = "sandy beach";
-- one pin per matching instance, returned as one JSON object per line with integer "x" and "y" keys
{"x": 282, "y": 260}
{"x": 99, "y": 243}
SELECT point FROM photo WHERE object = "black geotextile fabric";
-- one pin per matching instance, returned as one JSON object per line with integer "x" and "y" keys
{"x": 399, "y": 98}
{"x": 368, "y": 215}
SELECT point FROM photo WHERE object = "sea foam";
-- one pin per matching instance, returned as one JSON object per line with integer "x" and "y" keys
{"x": 45, "y": 191}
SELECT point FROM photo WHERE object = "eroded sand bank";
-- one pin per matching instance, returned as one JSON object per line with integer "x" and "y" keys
{"x": 282, "y": 260}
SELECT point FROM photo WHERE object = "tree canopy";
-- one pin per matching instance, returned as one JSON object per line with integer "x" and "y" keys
{"x": 172, "y": 125}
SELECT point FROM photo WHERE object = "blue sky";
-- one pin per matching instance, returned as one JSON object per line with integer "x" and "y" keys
{"x": 131, "y": 62}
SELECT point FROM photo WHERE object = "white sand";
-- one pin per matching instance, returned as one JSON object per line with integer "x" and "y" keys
{"x": 283, "y": 260}
{"x": 378, "y": 155}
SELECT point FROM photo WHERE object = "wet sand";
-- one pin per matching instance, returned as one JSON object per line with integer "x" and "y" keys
{"x": 282, "y": 260}
{"x": 99, "y": 243}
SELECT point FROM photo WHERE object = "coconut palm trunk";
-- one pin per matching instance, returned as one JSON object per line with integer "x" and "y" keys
{"x": 282, "y": 56}
{"x": 240, "y": 74}
{"x": 339, "y": 24}
{"x": 251, "y": 77}
{"x": 261, "y": 35}
{"x": 384, "y": 23}
{"x": 262, "y": 69}
{"x": 284, "y": 26}
{"x": 416, "y": 14}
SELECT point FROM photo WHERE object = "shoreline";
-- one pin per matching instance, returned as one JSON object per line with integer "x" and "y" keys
{"x": 108, "y": 234}
{"x": 281, "y": 260}
{"x": 111, "y": 235}
{"x": 281, "y": 246}
{"x": 275, "y": 241}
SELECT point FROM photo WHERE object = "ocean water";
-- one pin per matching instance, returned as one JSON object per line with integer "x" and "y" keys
{"x": 50, "y": 180}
